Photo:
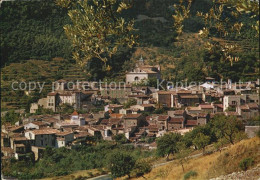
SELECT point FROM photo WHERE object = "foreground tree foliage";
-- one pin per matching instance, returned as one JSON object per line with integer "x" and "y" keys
{"x": 63, "y": 161}
{"x": 120, "y": 139}
{"x": 97, "y": 29}
{"x": 226, "y": 127}
{"x": 201, "y": 141}
{"x": 121, "y": 164}
{"x": 167, "y": 144}
{"x": 224, "y": 19}
{"x": 141, "y": 168}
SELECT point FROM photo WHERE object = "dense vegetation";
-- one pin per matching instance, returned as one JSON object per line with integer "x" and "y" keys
{"x": 219, "y": 131}
{"x": 62, "y": 161}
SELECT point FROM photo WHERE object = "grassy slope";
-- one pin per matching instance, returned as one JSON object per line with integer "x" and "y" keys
{"x": 213, "y": 165}
{"x": 84, "y": 173}
{"x": 35, "y": 71}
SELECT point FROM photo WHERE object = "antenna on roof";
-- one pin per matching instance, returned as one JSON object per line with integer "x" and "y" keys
{"x": 141, "y": 60}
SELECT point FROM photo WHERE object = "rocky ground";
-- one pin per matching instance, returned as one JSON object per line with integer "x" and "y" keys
{"x": 252, "y": 174}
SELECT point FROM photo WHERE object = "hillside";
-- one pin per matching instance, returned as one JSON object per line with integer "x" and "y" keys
{"x": 32, "y": 35}
{"x": 213, "y": 165}
{"x": 34, "y": 71}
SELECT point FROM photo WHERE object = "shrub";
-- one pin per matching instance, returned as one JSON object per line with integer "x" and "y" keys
{"x": 246, "y": 163}
{"x": 190, "y": 174}
{"x": 79, "y": 178}
{"x": 90, "y": 174}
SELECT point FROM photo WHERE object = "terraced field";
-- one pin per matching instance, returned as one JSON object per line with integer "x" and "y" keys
{"x": 34, "y": 71}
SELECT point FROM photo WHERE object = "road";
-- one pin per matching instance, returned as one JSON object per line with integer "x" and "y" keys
{"x": 108, "y": 177}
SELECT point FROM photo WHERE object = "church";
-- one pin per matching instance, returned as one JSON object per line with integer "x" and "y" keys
{"x": 142, "y": 72}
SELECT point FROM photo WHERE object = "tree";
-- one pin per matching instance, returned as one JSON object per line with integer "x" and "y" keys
{"x": 223, "y": 19}
{"x": 201, "y": 141}
{"x": 183, "y": 154}
{"x": 121, "y": 164}
{"x": 167, "y": 144}
{"x": 97, "y": 29}
{"x": 130, "y": 102}
{"x": 120, "y": 139}
{"x": 141, "y": 167}
{"x": 226, "y": 127}
{"x": 11, "y": 117}
{"x": 205, "y": 130}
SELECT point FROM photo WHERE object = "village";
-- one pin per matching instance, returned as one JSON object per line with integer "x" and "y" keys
{"x": 140, "y": 113}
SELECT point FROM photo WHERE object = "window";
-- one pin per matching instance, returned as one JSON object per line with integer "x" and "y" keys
{"x": 41, "y": 142}
{"x": 234, "y": 102}
{"x": 136, "y": 78}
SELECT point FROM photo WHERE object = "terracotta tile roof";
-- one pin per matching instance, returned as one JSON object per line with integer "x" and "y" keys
{"x": 244, "y": 107}
{"x": 191, "y": 122}
{"x": 163, "y": 117}
{"x": 65, "y": 94}
{"x": 253, "y": 106}
{"x": 39, "y": 123}
{"x": 202, "y": 115}
{"x": 82, "y": 134}
{"x": 14, "y": 128}
{"x": 189, "y": 97}
{"x": 151, "y": 134}
{"x": 75, "y": 113}
{"x": 45, "y": 131}
{"x": 50, "y": 119}
{"x": 20, "y": 138}
{"x": 153, "y": 126}
{"x": 219, "y": 105}
{"x": 149, "y": 71}
{"x": 132, "y": 116}
{"x": 52, "y": 94}
{"x": 19, "y": 145}
{"x": 178, "y": 112}
{"x": 176, "y": 120}
{"x": 206, "y": 106}
{"x": 104, "y": 121}
{"x": 115, "y": 115}
{"x": 191, "y": 108}
{"x": 184, "y": 92}
{"x": 63, "y": 133}
{"x": 118, "y": 128}
{"x": 114, "y": 120}
{"x": 115, "y": 105}
{"x": 166, "y": 92}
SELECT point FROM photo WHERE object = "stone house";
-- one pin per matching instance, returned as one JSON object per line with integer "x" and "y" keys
{"x": 175, "y": 123}
{"x": 113, "y": 108}
{"x": 142, "y": 72}
{"x": 143, "y": 107}
{"x": 231, "y": 101}
{"x": 248, "y": 111}
{"x": 166, "y": 98}
{"x": 42, "y": 137}
{"x": 63, "y": 139}
{"x": 35, "y": 125}
{"x": 116, "y": 91}
{"x": 133, "y": 120}
{"x": 207, "y": 108}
